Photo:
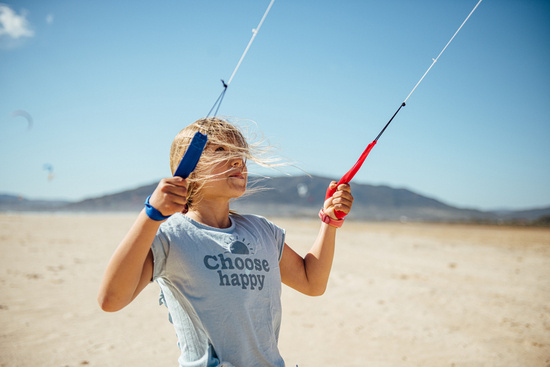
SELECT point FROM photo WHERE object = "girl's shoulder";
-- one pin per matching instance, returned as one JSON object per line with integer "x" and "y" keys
{"x": 250, "y": 218}
{"x": 178, "y": 223}
{"x": 255, "y": 221}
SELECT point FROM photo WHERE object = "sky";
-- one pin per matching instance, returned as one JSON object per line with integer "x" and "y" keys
{"x": 109, "y": 84}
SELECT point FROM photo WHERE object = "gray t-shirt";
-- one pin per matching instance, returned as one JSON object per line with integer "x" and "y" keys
{"x": 222, "y": 288}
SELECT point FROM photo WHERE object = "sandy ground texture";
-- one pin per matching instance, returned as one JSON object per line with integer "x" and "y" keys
{"x": 399, "y": 295}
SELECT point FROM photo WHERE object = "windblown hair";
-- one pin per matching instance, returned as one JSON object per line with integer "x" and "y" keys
{"x": 221, "y": 133}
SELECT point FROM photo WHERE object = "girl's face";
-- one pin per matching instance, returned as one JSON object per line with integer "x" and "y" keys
{"x": 228, "y": 177}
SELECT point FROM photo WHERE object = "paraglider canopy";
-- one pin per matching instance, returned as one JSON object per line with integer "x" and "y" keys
{"x": 24, "y": 114}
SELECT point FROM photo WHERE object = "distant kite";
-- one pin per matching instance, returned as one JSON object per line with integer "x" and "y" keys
{"x": 24, "y": 114}
{"x": 49, "y": 168}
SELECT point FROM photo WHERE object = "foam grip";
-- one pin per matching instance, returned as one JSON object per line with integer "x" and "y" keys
{"x": 192, "y": 155}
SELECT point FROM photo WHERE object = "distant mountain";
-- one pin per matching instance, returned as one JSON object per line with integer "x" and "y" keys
{"x": 300, "y": 196}
{"x": 19, "y": 203}
{"x": 304, "y": 196}
{"x": 125, "y": 201}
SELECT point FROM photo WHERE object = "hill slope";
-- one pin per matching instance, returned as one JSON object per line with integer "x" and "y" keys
{"x": 297, "y": 196}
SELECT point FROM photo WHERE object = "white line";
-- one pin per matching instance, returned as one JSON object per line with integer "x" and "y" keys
{"x": 444, "y": 48}
{"x": 254, "y": 33}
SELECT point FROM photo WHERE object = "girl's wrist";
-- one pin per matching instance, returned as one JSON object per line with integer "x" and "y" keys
{"x": 337, "y": 223}
{"x": 153, "y": 213}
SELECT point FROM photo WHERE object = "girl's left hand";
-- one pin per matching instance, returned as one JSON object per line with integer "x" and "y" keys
{"x": 342, "y": 200}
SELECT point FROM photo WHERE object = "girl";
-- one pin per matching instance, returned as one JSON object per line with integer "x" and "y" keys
{"x": 219, "y": 272}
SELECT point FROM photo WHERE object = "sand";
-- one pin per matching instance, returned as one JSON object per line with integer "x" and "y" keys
{"x": 399, "y": 295}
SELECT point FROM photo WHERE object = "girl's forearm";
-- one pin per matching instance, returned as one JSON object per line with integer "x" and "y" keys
{"x": 318, "y": 261}
{"x": 124, "y": 275}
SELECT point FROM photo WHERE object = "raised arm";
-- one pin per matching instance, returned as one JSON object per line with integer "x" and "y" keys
{"x": 310, "y": 274}
{"x": 131, "y": 266}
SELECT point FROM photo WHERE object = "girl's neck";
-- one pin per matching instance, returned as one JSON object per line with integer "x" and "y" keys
{"x": 211, "y": 214}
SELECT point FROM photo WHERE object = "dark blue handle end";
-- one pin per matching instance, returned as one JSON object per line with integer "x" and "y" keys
{"x": 192, "y": 155}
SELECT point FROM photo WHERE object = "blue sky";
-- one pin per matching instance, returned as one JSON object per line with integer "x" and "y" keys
{"x": 109, "y": 84}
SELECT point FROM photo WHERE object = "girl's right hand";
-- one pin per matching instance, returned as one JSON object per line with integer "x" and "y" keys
{"x": 170, "y": 196}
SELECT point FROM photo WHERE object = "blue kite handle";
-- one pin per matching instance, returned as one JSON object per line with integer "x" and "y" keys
{"x": 191, "y": 157}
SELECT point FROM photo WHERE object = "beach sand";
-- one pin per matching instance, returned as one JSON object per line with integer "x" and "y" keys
{"x": 399, "y": 295}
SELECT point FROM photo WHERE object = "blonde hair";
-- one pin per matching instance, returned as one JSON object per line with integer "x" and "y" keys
{"x": 221, "y": 133}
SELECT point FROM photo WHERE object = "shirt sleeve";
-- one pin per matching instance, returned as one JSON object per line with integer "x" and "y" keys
{"x": 279, "y": 234}
{"x": 160, "y": 248}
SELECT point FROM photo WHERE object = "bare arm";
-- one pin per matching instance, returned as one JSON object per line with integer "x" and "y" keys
{"x": 310, "y": 274}
{"x": 131, "y": 266}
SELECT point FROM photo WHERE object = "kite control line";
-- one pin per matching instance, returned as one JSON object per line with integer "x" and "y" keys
{"x": 225, "y": 85}
{"x": 349, "y": 175}
{"x": 192, "y": 155}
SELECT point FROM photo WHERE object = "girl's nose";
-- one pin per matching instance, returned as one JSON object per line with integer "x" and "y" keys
{"x": 237, "y": 162}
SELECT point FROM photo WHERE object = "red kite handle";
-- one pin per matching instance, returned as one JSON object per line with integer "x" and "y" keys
{"x": 349, "y": 175}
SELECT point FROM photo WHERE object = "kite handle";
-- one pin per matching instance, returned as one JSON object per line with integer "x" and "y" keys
{"x": 348, "y": 176}
{"x": 192, "y": 155}
{"x": 330, "y": 192}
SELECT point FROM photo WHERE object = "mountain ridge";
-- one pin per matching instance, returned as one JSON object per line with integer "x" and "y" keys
{"x": 298, "y": 196}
